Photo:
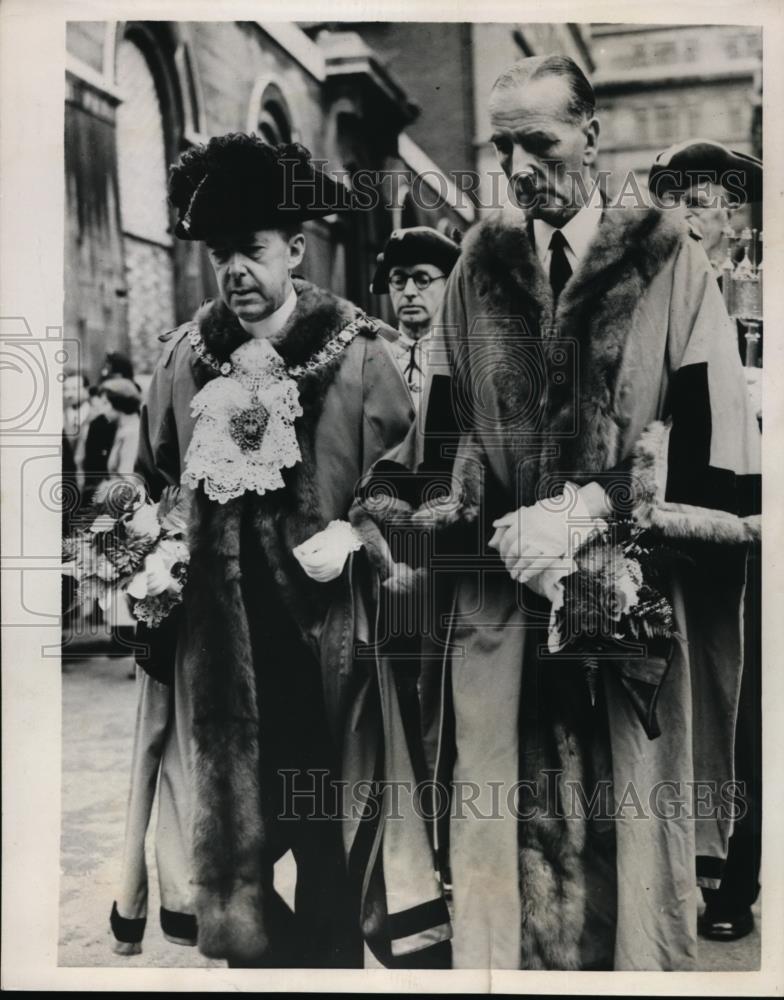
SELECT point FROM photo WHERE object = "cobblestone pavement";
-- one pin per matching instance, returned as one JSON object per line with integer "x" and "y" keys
{"x": 98, "y": 714}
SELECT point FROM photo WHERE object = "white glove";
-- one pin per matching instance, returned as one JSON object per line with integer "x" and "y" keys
{"x": 152, "y": 579}
{"x": 533, "y": 539}
{"x": 324, "y": 554}
{"x": 549, "y": 583}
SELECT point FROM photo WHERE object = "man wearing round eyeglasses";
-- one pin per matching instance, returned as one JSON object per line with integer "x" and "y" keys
{"x": 412, "y": 269}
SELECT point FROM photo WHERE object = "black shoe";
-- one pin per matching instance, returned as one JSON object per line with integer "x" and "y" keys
{"x": 718, "y": 927}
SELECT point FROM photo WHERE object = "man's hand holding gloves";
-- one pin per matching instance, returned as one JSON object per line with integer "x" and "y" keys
{"x": 537, "y": 543}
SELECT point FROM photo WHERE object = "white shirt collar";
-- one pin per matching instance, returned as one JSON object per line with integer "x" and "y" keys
{"x": 406, "y": 340}
{"x": 578, "y": 231}
{"x": 275, "y": 322}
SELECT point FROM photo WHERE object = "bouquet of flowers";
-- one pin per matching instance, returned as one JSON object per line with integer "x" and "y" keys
{"x": 132, "y": 548}
{"x": 610, "y": 598}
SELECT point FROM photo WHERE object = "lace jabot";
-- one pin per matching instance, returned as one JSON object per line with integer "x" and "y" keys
{"x": 244, "y": 434}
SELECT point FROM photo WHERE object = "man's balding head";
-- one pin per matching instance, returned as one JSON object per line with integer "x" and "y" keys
{"x": 545, "y": 135}
{"x": 581, "y": 104}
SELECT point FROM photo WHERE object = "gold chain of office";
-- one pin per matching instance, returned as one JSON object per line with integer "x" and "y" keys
{"x": 327, "y": 353}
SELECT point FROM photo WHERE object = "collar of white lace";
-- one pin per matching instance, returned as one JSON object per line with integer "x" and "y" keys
{"x": 244, "y": 434}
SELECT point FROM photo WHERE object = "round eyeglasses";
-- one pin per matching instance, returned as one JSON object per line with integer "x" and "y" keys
{"x": 399, "y": 279}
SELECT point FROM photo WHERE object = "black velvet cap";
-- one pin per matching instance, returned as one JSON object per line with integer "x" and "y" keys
{"x": 689, "y": 163}
{"x": 238, "y": 183}
{"x": 417, "y": 245}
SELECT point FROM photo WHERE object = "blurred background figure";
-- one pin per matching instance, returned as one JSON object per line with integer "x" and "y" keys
{"x": 117, "y": 365}
{"x": 708, "y": 210}
{"x": 76, "y": 412}
{"x": 711, "y": 182}
{"x": 95, "y": 445}
{"x": 412, "y": 269}
{"x": 76, "y": 408}
{"x": 76, "y": 405}
{"x": 100, "y": 438}
{"x": 99, "y": 432}
{"x": 122, "y": 405}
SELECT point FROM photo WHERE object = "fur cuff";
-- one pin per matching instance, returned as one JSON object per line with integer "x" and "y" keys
{"x": 442, "y": 505}
{"x": 365, "y": 524}
{"x": 679, "y": 520}
{"x": 462, "y": 503}
{"x": 398, "y": 578}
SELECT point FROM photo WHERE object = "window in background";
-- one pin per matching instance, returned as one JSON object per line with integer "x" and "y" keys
{"x": 144, "y": 214}
{"x": 274, "y": 123}
{"x": 665, "y": 124}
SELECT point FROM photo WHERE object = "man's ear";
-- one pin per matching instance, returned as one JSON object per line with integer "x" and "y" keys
{"x": 296, "y": 250}
{"x": 591, "y": 132}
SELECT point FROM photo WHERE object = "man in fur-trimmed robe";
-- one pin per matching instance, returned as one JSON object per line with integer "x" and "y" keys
{"x": 268, "y": 406}
{"x": 585, "y": 356}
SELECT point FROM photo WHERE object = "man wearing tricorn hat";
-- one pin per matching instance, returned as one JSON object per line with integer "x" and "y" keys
{"x": 412, "y": 269}
{"x": 268, "y": 406}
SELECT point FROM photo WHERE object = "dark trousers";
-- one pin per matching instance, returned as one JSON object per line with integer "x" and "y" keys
{"x": 740, "y": 878}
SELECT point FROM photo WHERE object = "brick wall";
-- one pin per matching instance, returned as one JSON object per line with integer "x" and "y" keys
{"x": 232, "y": 58}
{"x": 433, "y": 64}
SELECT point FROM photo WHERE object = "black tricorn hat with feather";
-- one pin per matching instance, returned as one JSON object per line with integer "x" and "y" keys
{"x": 238, "y": 183}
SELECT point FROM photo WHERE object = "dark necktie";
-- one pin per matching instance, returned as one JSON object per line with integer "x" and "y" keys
{"x": 412, "y": 368}
{"x": 560, "y": 271}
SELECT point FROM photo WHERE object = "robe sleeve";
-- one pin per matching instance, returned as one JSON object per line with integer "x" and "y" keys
{"x": 158, "y": 465}
{"x": 387, "y": 407}
{"x": 158, "y": 459}
{"x": 432, "y": 478}
{"x": 697, "y": 472}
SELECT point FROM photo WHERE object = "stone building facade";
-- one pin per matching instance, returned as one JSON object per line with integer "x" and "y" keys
{"x": 138, "y": 93}
{"x": 657, "y": 85}
{"x": 402, "y": 104}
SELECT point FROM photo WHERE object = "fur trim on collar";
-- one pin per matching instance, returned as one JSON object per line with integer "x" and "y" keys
{"x": 595, "y": 310}
{"x": 318, "y": 316}
{"x": 501, "y": 260}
